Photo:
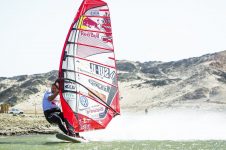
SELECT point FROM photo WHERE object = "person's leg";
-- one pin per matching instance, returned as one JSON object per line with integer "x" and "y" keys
{"x": 55, "y": 118}
{"x": 69, "y": 127}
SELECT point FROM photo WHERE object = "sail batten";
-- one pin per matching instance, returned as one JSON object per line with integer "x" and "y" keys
{"x": 91, "y": 31}
{"x": 88, "y": 77}
{"x": 76, "y": 57}
{"x": 108, "y": 49}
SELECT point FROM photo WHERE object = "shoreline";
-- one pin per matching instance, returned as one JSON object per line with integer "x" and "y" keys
{"x": 31, "y": 124}
{"x": 25, "y": 125}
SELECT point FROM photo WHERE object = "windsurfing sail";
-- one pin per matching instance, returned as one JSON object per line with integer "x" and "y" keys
{"x": 88, "y": 79}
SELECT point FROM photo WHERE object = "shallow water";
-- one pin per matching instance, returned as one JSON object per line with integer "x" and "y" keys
{"x": 162, "y": 130}
{"x": 45, "y": 142}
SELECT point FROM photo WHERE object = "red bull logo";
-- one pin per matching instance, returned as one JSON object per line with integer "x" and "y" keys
{"x": 103, "y": 24}
{"x": 89, "y": 23}
{"x": 90, "y": 34}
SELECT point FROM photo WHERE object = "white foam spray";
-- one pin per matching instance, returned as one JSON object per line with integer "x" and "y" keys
{"x": 164, "y": 125}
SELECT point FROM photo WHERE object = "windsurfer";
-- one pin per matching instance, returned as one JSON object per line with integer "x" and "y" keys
{"x": 53, "y": 112}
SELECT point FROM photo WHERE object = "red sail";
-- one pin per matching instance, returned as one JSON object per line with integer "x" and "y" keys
{"x": 88, "y": 76}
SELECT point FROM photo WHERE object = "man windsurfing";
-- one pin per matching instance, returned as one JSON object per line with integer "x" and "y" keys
{"x": 52, "y": 111}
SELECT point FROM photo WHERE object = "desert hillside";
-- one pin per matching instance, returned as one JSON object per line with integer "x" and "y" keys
{"x": 197, "y": 83}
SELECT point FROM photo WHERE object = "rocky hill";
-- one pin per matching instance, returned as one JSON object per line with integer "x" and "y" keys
{"x": 25, "y": 90}
{"x": 198, "y": 82}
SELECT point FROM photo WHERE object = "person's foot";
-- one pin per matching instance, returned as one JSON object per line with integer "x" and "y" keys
{"x": 71, "y": 134}
{"x": 78, "y": 136}
{"x": 75, "y": 135}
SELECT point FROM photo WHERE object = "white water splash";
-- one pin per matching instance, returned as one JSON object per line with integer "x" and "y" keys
{"x": 164, "y": 125}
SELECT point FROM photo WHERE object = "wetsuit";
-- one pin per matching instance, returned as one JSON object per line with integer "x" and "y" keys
{"x": 54, "y": 115}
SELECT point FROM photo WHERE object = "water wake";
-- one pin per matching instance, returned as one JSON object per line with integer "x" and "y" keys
{"x": 164, "y": 125}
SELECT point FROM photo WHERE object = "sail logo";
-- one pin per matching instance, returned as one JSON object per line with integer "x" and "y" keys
{"x": 90, "y": 23}
{"x": 102, "y": 71}
{"x": 95, "y": 110}
{"x": 69, "y": 96}
{"x": 94, "y": 13}
{"x": 69, "y": 86}
{"x": 99, "y": 86}
{"x": 84, "y": 101}
{"x": 90, "y": 34}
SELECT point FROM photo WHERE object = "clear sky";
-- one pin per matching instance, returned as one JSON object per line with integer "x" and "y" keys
{"x": 32, "y": 32}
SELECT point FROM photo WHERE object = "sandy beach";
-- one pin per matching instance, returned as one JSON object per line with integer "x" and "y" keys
{"x": 25, "y": 124}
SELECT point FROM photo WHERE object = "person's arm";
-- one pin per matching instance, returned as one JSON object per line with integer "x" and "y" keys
{"x": 52, "y": 97}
